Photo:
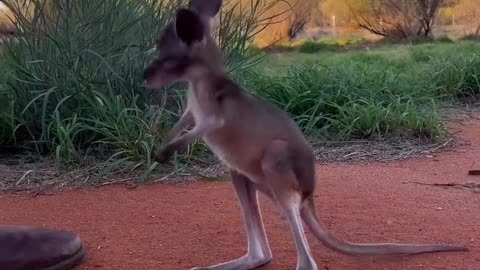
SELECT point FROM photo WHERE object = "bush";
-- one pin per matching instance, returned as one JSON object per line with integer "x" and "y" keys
{"x": 394, "y": 90}
{"x": 472, "y": 37}
{"x": 313, "y": 47}
{"x": 421, "y": 54}
{"x": 74, "y": 83}
{"x": 351, "y": 101}
{"x": 456, "y": 78}
{"x": 444, "y": 39}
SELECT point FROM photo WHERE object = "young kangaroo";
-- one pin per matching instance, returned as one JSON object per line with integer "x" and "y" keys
{"x": 262, "y": 147}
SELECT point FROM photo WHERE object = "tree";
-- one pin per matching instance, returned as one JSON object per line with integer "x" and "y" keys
{"x": 301, "y": 11}
{"x": 289, "y": 19}
{"x": 403, "y": 19}
{"x": 427, "y": 11}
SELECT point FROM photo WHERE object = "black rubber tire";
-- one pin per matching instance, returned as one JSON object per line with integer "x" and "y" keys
{"x": 70, "y": 262}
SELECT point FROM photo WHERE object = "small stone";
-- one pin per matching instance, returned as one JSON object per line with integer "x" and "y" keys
{"x": 439, "y": 208}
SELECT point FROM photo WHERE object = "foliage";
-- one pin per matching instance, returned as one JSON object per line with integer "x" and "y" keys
{"x": 388, "y": 92}
{"x": 73, "y": 77}
{"x": 312, "y": 47}
{"x": 291, "y": 17}
{"x": 396, "y": 19}
{"x": 473, "y": 37}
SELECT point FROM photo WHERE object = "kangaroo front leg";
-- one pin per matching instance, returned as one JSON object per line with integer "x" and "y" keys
{"x": 178, "y": 144}
{"x": 181, "y": 142}
{"x": 258, "y": 253}
{"x": 185, "y": 120}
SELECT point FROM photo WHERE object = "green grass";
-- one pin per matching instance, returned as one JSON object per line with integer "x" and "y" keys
{"x": 352, "y": 101}
{"x": 72, "y": 85}
{"x": 344, "y": 44}
{"x": 388, "y": 91}
{"x": 396, "y": 54}
{"x": 78, "y": 93}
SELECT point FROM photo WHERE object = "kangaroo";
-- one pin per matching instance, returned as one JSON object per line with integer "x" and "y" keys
{"x": 260, "y": 144}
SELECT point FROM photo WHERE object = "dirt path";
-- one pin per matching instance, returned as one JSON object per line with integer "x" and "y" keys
{"x": 184, "y": 225}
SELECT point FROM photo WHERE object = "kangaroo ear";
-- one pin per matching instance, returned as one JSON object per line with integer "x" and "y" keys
{"x": 189, "y": 26}
{"x": 207, "y": 8}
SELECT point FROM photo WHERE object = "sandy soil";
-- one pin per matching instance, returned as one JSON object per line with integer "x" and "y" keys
{"x": 178, "y": 226}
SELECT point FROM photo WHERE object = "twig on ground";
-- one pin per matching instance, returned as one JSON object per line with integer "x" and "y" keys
{"x": 117, "y": 181}
{"x": 441, "y": 146}
{"x": 163, "y": 178}
{"x": 25, "y": 175}
{"x": 472, "y": 186}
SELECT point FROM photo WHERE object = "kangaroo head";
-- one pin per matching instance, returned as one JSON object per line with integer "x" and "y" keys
{"x": 186, "y": 47}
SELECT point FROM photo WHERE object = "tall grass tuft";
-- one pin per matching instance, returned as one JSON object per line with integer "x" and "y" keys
{"x": 72, "y": 80}
{"x": 351, "y": 101}
{"x": 394, "y": 91}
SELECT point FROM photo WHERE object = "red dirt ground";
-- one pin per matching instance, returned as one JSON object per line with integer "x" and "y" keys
{"x": 178, "y": 226}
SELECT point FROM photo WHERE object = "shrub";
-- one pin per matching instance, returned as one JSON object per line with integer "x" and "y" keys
{"x": 313, "y": 47}
{"x": 74, "y": 83}
{"x": 472, "y": 37}
{"x": 353, "y": 100}
{"x": 444, "y": 39}
{"x": 456, "y": 78}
